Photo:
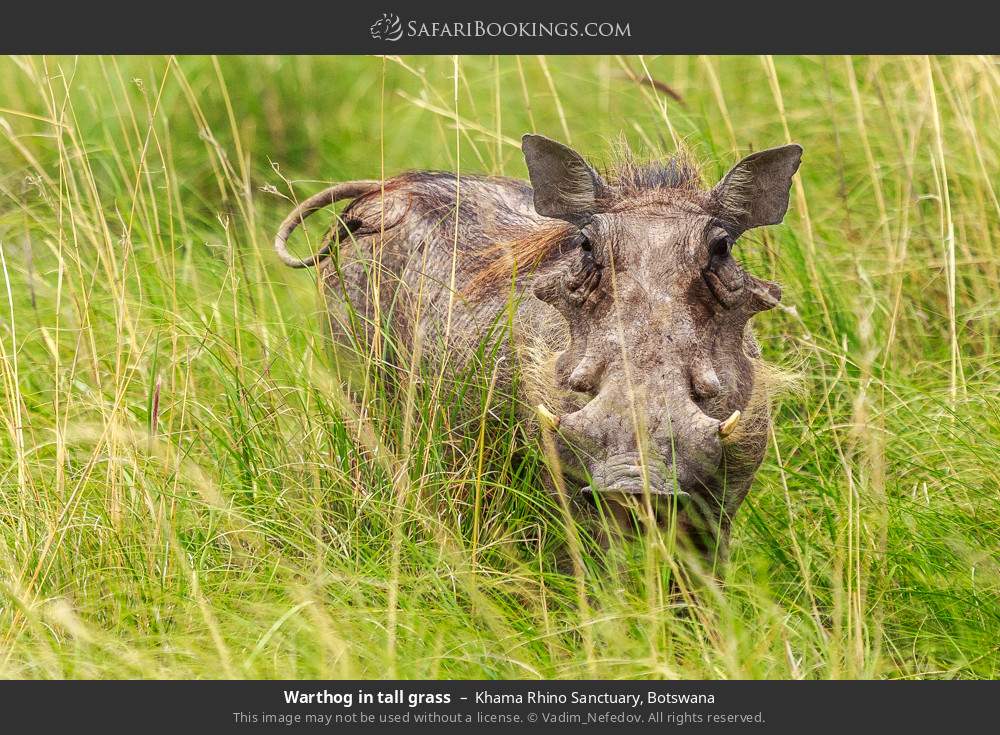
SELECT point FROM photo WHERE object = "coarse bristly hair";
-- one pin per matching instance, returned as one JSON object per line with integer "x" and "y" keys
{"x": 627, "y": 178}
{"x": 628, "y": 175}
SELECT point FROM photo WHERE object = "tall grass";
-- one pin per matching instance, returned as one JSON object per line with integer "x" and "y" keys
{"x": 189, "y": 489}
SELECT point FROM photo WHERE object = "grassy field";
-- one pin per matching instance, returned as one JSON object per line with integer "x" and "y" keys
{"x": 188, "y": 490}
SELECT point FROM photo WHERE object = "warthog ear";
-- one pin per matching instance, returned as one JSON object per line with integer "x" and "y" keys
{"x": 755, "y": 191}
{"x": 566, "y": 187}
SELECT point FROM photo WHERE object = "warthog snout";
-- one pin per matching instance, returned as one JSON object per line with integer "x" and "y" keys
{"x": 632, "y": 474}
{"x": 617, "y": 445}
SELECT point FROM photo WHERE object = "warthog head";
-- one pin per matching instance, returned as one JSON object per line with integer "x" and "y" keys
{"x": 660, "y": 360}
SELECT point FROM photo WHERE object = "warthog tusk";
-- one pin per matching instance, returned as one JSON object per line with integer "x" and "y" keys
{"x": 549, "y": 419}
{"x": 728, "y": 426}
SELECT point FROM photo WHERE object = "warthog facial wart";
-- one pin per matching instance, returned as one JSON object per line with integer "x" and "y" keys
{"x": 631, "y": 314}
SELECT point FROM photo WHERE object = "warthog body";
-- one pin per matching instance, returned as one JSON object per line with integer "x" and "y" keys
{"x": 630, "y": 313}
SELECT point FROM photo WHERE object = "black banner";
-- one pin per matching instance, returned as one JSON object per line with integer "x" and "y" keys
{"x": 276, "y": 706}
{"x": 394, "y": 27}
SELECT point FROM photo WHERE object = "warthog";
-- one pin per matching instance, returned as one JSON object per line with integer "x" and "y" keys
{"x": 630, "y": 313}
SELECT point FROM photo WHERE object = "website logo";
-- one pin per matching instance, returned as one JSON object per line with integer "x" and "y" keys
{"x": 390, "y": 28}
{"x": 387, "y": 28}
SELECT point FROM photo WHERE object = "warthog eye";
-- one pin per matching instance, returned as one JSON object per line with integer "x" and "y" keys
{"x": 720, "y": 247}
{"x": 723, "y": 275}
{"x": 585, "y": 275}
